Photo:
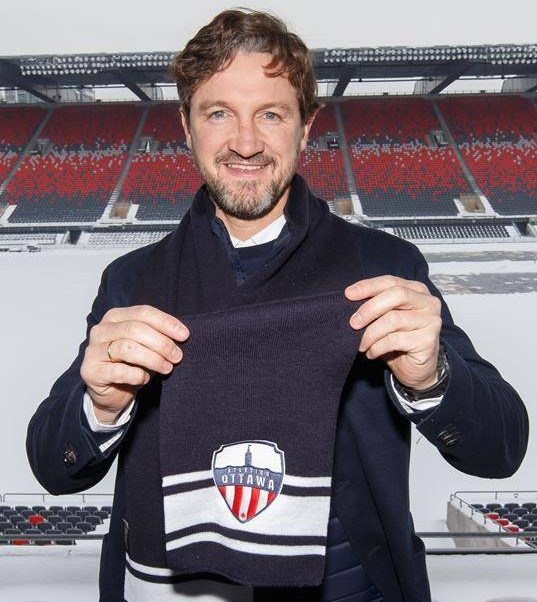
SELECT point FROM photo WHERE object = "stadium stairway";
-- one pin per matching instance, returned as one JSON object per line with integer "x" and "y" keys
{"x": 113, "y": 207}
{"x": 344, "y": 146}
{"x": 464, "y": 166}
{"x": 25, "y": 152}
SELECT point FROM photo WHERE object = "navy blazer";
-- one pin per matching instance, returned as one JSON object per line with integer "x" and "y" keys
{"x": 480, "y": 428}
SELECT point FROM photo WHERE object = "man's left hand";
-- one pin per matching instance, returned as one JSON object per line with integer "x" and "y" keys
{"x": 402, "y": 326}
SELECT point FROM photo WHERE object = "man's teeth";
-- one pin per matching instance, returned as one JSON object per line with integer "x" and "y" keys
{"x": 245, "y": 167}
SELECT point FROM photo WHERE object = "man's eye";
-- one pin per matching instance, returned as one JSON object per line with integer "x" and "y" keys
{"x": 270, "y": 116}
{"x": 217, "y": 114}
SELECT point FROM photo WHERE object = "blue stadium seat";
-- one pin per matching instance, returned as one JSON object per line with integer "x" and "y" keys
{"x": 519, "y": 511}
{"x": 84, "y": 526}
{"x": 60, "y": 542}
{"x": 44, "y": 527}
{"x": 94, "y": 520}
{"x": 72, "y": 518}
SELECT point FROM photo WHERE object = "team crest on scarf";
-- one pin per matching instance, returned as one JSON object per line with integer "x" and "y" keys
{"x": 249, "y": 476}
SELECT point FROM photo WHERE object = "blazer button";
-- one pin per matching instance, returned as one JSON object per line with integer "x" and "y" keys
{"x": 448, "y": 438}
{"x": 69, "y": 455}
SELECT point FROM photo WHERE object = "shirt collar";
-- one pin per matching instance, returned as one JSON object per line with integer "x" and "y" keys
{"x": 270, "y": 232}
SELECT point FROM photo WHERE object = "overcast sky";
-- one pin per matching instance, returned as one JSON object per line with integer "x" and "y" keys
{"x": 71, "y": 26}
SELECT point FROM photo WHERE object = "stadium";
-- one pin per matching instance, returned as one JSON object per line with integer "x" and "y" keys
{"x": 84, "y": 180}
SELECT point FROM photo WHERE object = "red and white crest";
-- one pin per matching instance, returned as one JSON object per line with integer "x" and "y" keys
{"x": 249, "y": 476}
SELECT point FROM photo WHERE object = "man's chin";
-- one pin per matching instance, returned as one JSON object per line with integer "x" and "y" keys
{"x": 238, "y": 204}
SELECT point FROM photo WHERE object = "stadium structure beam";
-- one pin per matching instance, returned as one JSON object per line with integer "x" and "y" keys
{"x": 435, "y": 85}
{"x": 129, "y": 83}
{"x": 10, "y": 77}
{"x": 347, "y": 73}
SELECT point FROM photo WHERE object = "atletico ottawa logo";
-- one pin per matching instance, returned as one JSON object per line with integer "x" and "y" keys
{"x": 249, "y": 476}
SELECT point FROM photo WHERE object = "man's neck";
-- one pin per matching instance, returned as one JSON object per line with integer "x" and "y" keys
{"x": 245, "y": 229}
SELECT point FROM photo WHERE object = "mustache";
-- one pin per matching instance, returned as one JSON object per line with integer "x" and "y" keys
{"x": 231, "y": 157}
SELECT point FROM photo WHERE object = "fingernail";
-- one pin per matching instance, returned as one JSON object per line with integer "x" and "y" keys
{"x": 357, "y": 320}
{"x": 176, "y": 353}
{"x": 181, "y": 331}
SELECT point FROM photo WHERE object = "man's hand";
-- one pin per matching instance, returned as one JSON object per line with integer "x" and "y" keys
{"x": 142, "y": 342}
{"x": 402, "y": 327}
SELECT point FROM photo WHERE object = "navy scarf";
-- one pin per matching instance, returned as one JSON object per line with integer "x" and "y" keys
{"x": 228, "y": 464}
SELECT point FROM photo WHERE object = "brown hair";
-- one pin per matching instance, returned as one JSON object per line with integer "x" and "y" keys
{"x": 216, "y": 44}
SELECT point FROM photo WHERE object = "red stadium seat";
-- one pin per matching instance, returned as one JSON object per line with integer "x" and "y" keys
{"x": 35, "y": 519}
{"x": 397, "y": 169}
{"x": 497, "y": 136}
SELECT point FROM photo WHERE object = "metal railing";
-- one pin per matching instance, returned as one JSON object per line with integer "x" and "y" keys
{"x": 44, "y": 496}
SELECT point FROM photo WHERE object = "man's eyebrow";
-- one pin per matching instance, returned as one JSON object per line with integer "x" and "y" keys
{"x": 212, "y": 103}
{"x": 277, "y": 105}
{"x": 282, "y": 106}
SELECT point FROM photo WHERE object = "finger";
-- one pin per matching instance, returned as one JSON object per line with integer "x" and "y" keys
{"x": 157, "y": 319}
{"x": 370, "y": 287}
{"x": 139, "y": 332}
{"x": 112, "y": 373}
{"x": 396, "y": 297}
{"x": 401, "y": 341}
{"x": 393, "y": 321}
{"x": 131, "y": 352}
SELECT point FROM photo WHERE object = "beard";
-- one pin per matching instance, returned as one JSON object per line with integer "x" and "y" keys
{"x": 248, "y": 199}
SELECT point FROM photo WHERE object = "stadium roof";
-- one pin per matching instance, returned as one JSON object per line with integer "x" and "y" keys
{"x": 436, "y": 66}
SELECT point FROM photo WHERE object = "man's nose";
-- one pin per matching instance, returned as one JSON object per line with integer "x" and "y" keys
{"x": 246, "y": 140}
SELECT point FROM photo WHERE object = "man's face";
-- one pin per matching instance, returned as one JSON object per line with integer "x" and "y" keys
{"x": 246, "y": 134}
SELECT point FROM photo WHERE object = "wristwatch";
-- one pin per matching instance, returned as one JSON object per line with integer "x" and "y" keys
{"x": 437, "y": 390}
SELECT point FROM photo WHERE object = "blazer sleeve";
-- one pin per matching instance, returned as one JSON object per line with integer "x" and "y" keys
{"x": 481, "y": 426}
{"x": 63, "y": 452}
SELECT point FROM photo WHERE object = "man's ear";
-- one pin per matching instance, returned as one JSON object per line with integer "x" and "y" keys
{"x": 307, "y": 128}
{"x": 186, "y": 128}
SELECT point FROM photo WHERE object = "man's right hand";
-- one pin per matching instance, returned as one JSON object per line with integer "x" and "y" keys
{"x": 142, "y": 342}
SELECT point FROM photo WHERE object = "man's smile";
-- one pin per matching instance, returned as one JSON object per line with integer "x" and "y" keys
{"x": 244, "y": 169}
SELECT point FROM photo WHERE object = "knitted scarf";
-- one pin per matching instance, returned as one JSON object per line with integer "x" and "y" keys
{"x": 228, "y": 466}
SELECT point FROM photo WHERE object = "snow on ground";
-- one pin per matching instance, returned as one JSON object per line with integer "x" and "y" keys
{"x": 60, "y": 575}
{"x": 46, "y": 296}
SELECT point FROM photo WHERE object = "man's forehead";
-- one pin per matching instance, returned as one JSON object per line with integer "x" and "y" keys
{"x": 245, "y": 81}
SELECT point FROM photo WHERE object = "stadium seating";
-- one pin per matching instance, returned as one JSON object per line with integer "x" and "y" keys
{"x": 324, "y": 172}
{"x": 75, "y": 177}
{"x": 512, "y": 517}
{"x": 138, "y": 237}
{"x": 163, "y": 180}
{"x": 17, "y": 125}
{"x": 397, "y": 168}
{"x": 27, "y": 521}
{"x": 323, "y": 167}
{"x": 452, "y": 232}
{"x": 162, "y": 184}
{"x": 498, "y": 138}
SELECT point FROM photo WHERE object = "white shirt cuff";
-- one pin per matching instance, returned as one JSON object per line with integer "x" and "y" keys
{"x": 416, "y": 406}
{"x": 101, "y": 427}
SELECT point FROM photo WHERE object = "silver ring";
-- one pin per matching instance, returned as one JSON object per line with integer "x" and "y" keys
{"x": 108, "y": 351}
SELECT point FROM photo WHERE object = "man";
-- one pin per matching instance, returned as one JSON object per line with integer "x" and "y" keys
{"x": 247, "y": 93}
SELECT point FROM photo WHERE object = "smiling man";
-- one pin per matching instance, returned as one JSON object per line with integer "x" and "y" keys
{"x": 246, "y": 146}
{"x": 258, "y": 370}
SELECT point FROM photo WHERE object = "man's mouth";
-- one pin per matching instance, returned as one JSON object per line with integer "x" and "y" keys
{"x": 244, "y": 166}
{"x": 245, "y": 170}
